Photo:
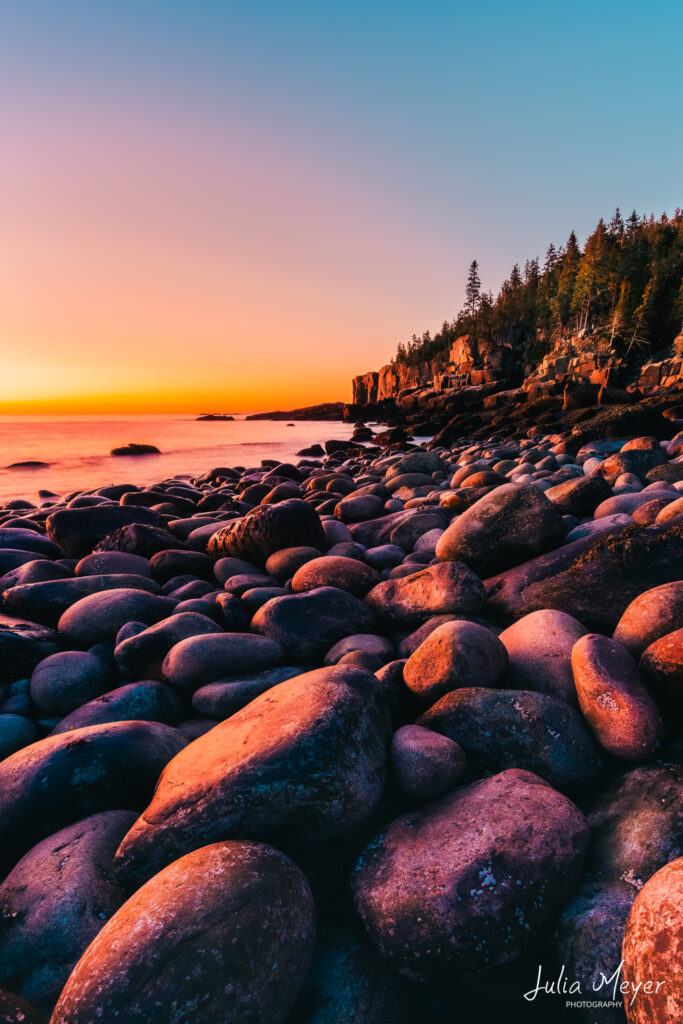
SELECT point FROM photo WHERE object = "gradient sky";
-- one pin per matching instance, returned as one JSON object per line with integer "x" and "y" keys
{"x": 238, "y": 206}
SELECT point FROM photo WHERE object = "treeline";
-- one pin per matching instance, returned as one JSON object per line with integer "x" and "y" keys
{"x": 626, "y": 285}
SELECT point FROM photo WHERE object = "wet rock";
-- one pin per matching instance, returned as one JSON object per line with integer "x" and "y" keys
{"x": 61, "y": 779}
{"x": 63, "y": 681}
{"x": 204, "y": 659}
{"x": 332, "y": 571}
{"x": 347, "y": 984}
{"x": 649, "y": 616}
{"x": 22, "y": 646}
{"x": 307, "y": 625}
{"x": 461, "y": 885}
{"x": 501, "y": 729}
{"x": 240, "y": 913}
{"x": 653, "y": 950}
{"x": 455, "y": 654}
{"x": 425, "y": 763}
{"x": 136, "y": 449}
{"x": 267, "y": 529}
{"x": 221, "y": 699}
{"x": 55, "y": 901}
{"x": 251, "y": 775}
{"x": 504, "y": 528}
{"x": 613, "y": 699}
{"x": 98, "y": 617}
{"x": 539, "y": 649}
{"x": 15, "y": 732}
{"x": 436, "y": 590}
{"x": 367, "y": 642}
{"x": 77, "y": 530}
{"x": 47, "y": 602}
{"x": 146, "y": 701}
{"x": 143, "y": 654}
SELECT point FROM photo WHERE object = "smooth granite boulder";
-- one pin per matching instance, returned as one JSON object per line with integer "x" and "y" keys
{"x": 306, "y": 625}
{"x": 144, "y": 701}
{"x": 143, "y": 654}
{"x": 436, "y": 590}
{"x": 462, "y": 884}
{"x": 304, "y": 761}
{"x": 55, "y": 901}
{"x": 223, "y": 934}
{"x": 506, "y": 527}
{"x": 77, "y": 530}
{"x": 64, "y": 778}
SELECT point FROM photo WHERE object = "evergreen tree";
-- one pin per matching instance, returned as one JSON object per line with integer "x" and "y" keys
{"x": 473, "y": 290}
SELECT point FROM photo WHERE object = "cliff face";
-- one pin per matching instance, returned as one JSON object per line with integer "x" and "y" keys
{"x": 468, "y": 361}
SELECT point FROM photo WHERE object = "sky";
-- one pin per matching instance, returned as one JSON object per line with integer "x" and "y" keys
{"x": 226, "y": 206}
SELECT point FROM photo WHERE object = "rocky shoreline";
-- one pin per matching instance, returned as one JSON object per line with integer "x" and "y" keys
{"x": 365, "y": 738}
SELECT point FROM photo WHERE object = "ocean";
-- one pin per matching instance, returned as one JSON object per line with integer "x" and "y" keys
{"x": 77, "y": 448}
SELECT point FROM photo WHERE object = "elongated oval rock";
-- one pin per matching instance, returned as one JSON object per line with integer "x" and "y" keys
{"x": 305, "y": 759}
{"x": 463, "y": 884}
{"x": 653, "y": 950}
{"x": 46, "y": 602}
{"x": 22, "y": 647}
{"x": 144, "y": 701}
{"x": 61, "y": 779}
{"x": 501, "y": 729}
{"x": 144, "y": 653}
{"x": 55, "y": 901}
{"x": 98, "y": 618}
{"x": 223, "y": 934}
{"x": 620, "y": 711}
{"x": 267, "y": 529}
{"x": 198, "y": 660}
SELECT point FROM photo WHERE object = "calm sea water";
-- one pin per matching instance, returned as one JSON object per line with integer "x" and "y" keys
{"x": 77, "y": 448}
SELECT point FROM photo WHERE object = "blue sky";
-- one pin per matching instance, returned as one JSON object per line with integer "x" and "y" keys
{"x": 369, "y": 152}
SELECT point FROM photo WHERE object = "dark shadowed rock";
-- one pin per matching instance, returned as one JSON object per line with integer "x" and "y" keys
{"x": 304, "y": 761}
{"x": 144, "y": 653}
{"x": 579, "y": 497}
{"x": 22, "y": 646}
{"x": 461, "y": 885}
{"x": 221, "y": 699}
{"x": 240, "y": 914}
{"x": 425, "y": 763}
{"x": 98, "y": 618}
{"x": 63, "y": 778}
{"x": 15, "y": 1010}
{"x": 77, "y": 530}
{"x": 267, "y": 529}
{"x": 504, "y": 528}
{"x": 501, "y": 729}
{"x": 47, "y": 602}
{"x": 15, "y": 732}
{"x": 308, "y": 624}
{"x": 63, "y": 681}
{"x": 146, "y": 701}
{"x": 348, "y": 983}
{"x": 55, "y": 901}
{"x": 139, "y": 539}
